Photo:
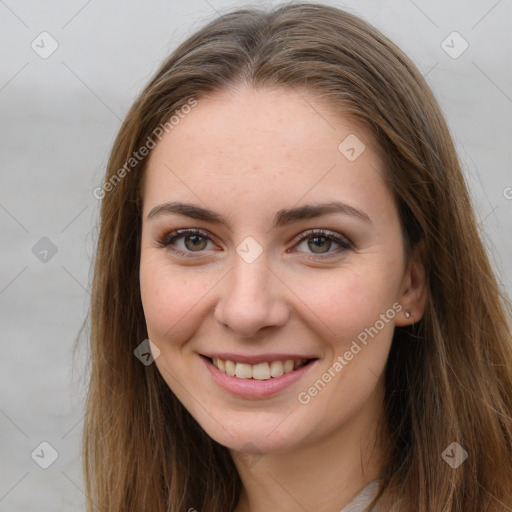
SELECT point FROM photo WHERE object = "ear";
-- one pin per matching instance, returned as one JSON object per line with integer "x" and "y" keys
{"x": 414, "y": 288}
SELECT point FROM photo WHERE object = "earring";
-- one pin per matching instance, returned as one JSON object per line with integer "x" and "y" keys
{"x": 407, "y": 314}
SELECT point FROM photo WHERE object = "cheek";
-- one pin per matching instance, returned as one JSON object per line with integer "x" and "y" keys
{"x": 170, "y": 298}
{"x": 358, "y": 317}
{"x": 347, "y": 302}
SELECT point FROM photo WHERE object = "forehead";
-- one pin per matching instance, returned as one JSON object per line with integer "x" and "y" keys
{"x": 272, "y": 146}
{"x": 241, "y": 122}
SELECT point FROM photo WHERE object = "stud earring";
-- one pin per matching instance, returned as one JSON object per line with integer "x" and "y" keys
{"x": 407, "y": 314}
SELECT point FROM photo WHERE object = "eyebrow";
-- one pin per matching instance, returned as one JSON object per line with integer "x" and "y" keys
{"x": 283, "y": 217}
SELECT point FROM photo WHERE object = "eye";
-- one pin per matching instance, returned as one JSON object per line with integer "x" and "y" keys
{"x": 320, "y": 242}
{"x": 189, "y": 240}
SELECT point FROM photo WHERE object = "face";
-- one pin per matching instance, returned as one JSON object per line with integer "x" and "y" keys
{"x": 254, "y": 276}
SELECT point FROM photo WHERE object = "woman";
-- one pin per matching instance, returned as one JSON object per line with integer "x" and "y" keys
{"x": 285, "y": 218}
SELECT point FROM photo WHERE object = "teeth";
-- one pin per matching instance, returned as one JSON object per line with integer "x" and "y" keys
{"x": 288, "y": 366}
{"x": 276, "y": 369}
{"x": 230, "y": 368}
{"x": 243, "y": 371}
{"x": 261, "y": 371}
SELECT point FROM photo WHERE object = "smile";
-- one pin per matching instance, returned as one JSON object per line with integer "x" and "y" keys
{"x": 261, "y": 371}
{"x": 262, "y": 379}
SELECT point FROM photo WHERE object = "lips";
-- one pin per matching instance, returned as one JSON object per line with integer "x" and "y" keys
{"x": 253, "y": 380}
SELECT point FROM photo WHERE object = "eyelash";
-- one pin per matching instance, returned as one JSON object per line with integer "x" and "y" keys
{"x": 169, "y": 238}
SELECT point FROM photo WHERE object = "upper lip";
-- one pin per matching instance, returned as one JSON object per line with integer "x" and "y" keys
{"x": 261, "y": 358}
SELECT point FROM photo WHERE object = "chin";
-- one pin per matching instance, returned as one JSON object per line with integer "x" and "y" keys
{"x": 255, "y": 432}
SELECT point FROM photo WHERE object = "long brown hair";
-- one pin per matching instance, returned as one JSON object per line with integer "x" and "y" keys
{"x": 448, "y": 378}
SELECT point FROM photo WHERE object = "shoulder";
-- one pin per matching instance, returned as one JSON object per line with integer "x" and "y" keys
{"x": 362, "y": 499}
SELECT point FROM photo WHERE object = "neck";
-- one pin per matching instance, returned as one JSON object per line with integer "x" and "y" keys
{"x": 321, "y": 476}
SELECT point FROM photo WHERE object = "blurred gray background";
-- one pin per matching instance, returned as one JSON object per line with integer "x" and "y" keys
{"x": 69, "y": 71}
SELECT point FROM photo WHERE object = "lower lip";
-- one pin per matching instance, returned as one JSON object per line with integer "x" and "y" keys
{"x": 253, "y": 388}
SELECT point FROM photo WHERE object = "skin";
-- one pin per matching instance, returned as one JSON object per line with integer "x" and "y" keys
{"x": 246, "y": 154}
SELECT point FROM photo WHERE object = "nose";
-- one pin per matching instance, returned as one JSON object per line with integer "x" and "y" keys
{"x": 252, "y": 297}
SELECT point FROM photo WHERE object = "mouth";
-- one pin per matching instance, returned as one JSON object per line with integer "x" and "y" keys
{"x": 265, "y": 370}
{"x": 258, "y": 377}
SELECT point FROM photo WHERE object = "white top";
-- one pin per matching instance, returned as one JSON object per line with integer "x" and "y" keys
{"x": 362, "y": 499}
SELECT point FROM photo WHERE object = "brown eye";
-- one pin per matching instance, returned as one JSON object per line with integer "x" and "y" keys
{"x": 320, "y": 242}
{"x": 197, "y": 242}
{"x": 185, "y": 241}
